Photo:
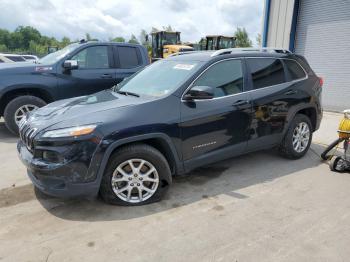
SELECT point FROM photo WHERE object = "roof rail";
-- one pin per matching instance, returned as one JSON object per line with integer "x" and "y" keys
{"x": 250, "y": 49}
{"x": 185, "y": 53}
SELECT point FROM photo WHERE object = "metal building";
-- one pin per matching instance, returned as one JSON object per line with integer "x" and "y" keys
{"x": 320, "y": 31}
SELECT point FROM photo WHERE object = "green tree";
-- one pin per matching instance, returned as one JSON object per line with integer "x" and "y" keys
{"x": 242, "y": 38}
{"x": 119, "y": 39}
{"x": 23, "y": 35}
{"x": 144, "y": 37}
{"x": 26, "y": 39}
{"x": 65, "y": 41}
{"x": 4, "y": 37}
{"x": 133, "y": 40}
{"x": 3, "y": 48}
{"x": 258, "y": 40}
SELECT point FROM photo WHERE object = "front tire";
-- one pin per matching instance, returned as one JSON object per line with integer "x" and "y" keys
{"x": 17, "y": 108}
{"x": 298, "y": 138}
{"x": 135, "y": 175}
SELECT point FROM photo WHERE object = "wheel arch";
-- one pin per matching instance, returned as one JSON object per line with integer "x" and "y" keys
{"x": 309, "y": 110}
{"x": 16, "y": 91}
{"x": 160, "y": 141}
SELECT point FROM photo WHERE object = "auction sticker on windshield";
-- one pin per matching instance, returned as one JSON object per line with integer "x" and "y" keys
{"x": 184, "y": 66}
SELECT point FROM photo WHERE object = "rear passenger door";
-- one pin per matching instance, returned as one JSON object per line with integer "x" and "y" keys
{"x": 128, "y": 61}
{"x": 272, "y": 95}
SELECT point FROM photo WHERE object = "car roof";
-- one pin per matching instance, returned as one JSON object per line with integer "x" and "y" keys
{"x": 228, "y": 53}
{"x": 107, "y": 43}
{"x": 2, "y": 54}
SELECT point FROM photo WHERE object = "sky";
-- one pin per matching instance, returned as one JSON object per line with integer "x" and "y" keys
{"x": 104, "y": 19}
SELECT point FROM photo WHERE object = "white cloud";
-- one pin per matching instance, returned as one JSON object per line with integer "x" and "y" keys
{"x": 110, "y": 18}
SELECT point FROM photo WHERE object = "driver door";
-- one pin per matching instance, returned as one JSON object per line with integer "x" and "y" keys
{"x": 217, "y": 128}
{"x": 94, "y": 72}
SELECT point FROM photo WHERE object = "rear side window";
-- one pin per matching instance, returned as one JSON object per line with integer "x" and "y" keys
{"x": 128, "y": 57}
{"x": 226, "y": 77}
{"x": 16, "y": 58}
{"x": 1, "y": 61}
{"x": 266, "y": 72}
{"x": 294, "y": 69}
{"x": 29, "y": 57}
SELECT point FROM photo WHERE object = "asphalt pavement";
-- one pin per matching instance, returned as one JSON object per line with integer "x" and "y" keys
{"x": 257, "y": 207}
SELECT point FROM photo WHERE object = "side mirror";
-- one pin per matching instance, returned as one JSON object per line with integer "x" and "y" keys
{"x": 70, "y": 64}
{"x": 199, "y": 92}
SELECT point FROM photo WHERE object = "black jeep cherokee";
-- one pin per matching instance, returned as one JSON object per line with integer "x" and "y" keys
{"x": 175, "y": 115}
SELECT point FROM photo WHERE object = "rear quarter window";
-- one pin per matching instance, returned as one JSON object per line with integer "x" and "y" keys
{"x": 294, "y": 69}
{"x": 16, "y": 58}
{"x": 266, "y": 72}
{"x": 128, "y": 57}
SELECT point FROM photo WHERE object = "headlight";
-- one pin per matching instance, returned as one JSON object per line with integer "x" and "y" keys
{"x": 165, "y": 50}
{"x": 70, "y": 131}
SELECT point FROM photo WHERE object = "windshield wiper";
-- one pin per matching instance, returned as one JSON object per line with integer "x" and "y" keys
{"x": 127, "y": 93}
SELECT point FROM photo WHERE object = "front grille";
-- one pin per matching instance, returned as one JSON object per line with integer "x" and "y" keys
{"x": 27, "y": 134}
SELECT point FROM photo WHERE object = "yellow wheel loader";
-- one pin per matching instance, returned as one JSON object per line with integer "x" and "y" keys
{"x": 166, "y": 43}
{"x": 217, "y": 42}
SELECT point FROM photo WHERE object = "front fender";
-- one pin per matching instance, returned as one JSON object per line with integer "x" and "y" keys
{"x": 139, "y": 138}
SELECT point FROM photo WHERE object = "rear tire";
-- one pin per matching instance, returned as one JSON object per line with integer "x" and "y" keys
{"x": 336, "y": 164}
{"x": 17, "y": 103}
{"x": 132, "y": 177}
{"x": 289, "y": 147}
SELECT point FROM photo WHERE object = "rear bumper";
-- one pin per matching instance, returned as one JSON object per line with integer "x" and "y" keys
{"x": 319, "y": 119}
{"x": 55, "y": 179}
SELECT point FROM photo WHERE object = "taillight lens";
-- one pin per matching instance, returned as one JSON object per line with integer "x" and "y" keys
{"x": 321, "y": 81}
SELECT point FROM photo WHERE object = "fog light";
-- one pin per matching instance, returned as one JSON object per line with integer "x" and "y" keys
{"x": 51, "y": 156}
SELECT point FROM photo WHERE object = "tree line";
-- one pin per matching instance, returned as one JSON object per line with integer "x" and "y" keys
{"x": 28, "y": 40}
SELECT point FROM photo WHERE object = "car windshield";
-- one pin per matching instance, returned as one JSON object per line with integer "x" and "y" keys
{"x": 54, "y": 57}
{"x": 160, "y": 78}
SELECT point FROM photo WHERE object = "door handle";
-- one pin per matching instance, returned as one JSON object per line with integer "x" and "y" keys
{"x": 106, "y": 76}
{"x": 240, "y": 103}
{"x": 291, "y": 92}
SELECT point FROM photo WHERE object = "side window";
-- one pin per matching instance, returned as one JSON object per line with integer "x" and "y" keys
{"x": 294, "y": 69}
{"x": 128, "y": 57}
{"x": 266, "y": 72}
{"x": 226, "y": 77}
{"x": 16, "y": 58}
{"x": 94, "y": 57}
{"x": 1, "y": 61}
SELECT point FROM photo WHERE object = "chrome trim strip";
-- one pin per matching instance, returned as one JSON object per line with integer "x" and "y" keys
{"x": 244, "y": 92}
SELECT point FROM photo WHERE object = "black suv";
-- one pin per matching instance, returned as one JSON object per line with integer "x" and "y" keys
{"x": 79, "y": 69}
{"x": 173, "y": 116}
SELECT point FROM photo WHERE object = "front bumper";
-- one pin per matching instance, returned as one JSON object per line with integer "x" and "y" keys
{"x": 70, "y": 178}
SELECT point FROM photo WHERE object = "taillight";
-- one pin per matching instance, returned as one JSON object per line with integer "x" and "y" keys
{"x": 321, "y": 81}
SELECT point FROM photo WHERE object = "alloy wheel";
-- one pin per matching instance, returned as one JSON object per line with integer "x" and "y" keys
{"x": 22, "y": 111}
{"x": 301, "y": 137}
{"x": 135, "y": 180}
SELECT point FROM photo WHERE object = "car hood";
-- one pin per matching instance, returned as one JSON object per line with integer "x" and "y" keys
{"x": 81, "y": 110}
